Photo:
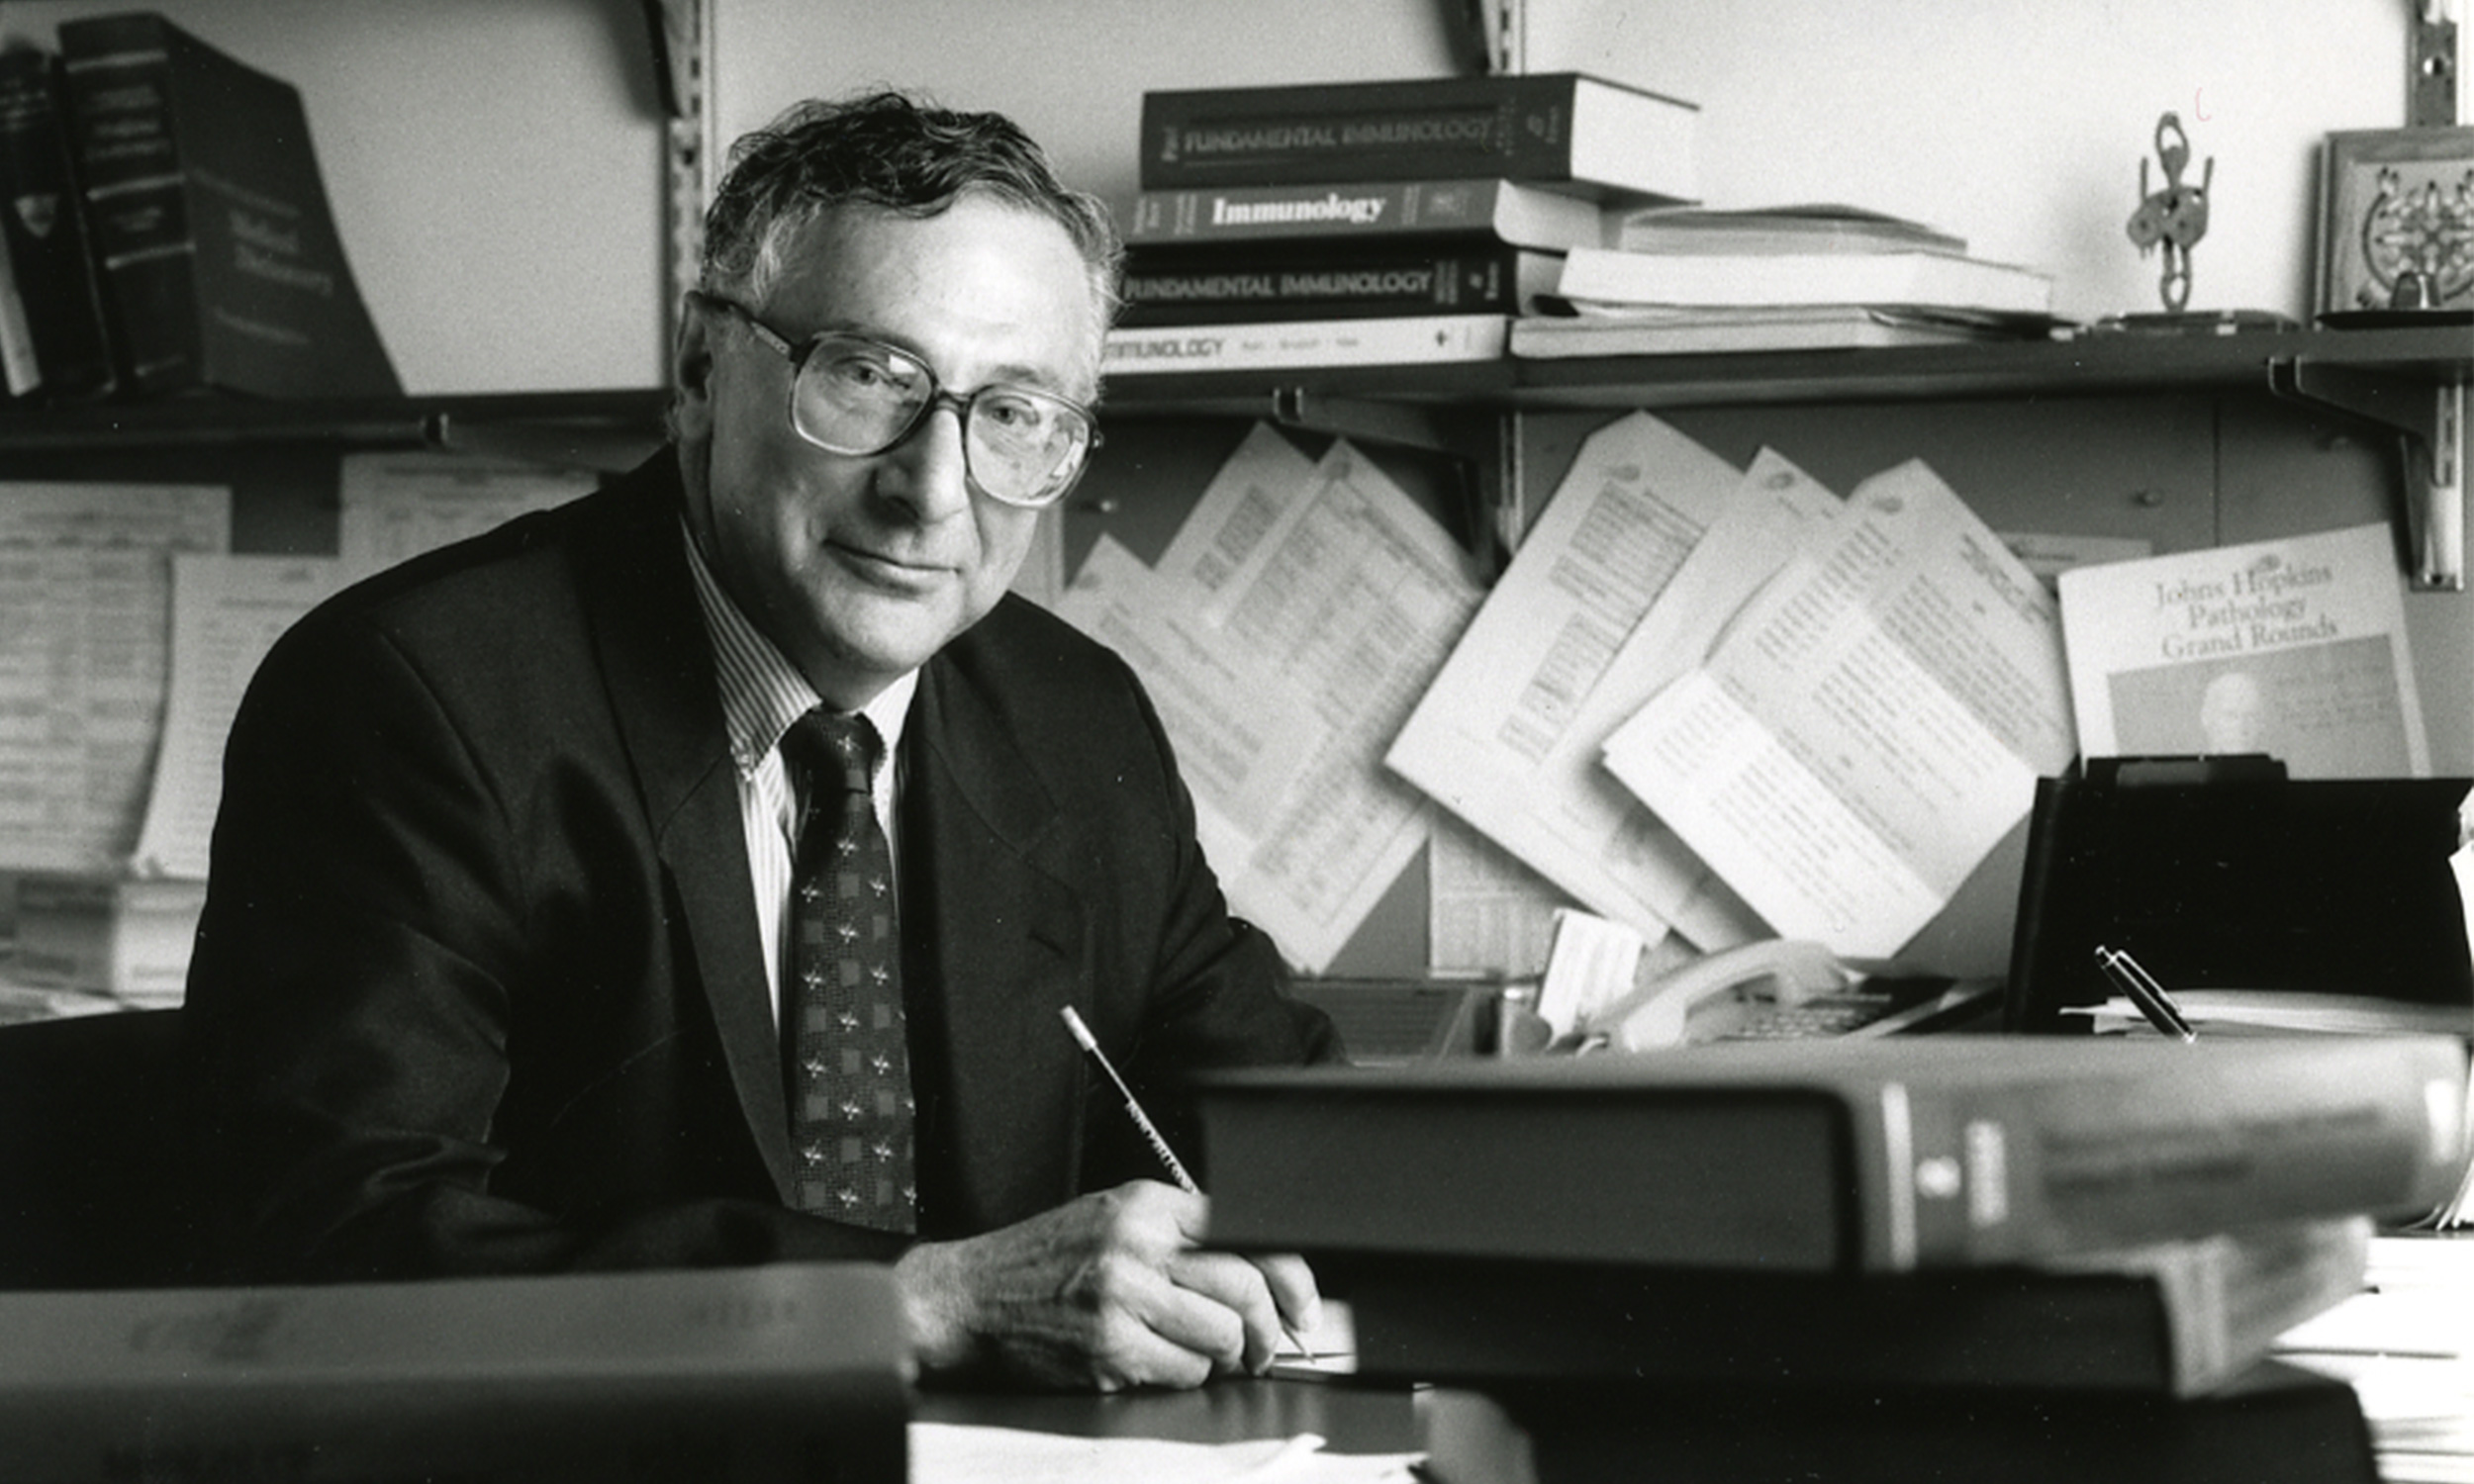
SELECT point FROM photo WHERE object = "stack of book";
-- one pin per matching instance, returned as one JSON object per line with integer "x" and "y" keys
{"x": 745, "y": 1375}
{"x": 168, "y": 228}
{"x": 1947, "y": 1257}
{"x": 1395, "y": 221}
{"x": 1795, "y": 277}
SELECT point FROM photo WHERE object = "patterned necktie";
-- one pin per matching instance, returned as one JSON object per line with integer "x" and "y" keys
{"x": 849, "y": 1072}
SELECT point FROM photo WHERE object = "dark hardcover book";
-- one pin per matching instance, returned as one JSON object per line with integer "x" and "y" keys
{"x": 1833, "y": 1154}
{"x": 221, "y": 263}
{"x": 1520, "y": 213}
{"x": 1566, "y": 126}
{"x": 2274, "y": 1424}
{"x": 1313, "y": 280}
{"x": 749, "y": 1375}
{"x": 2168, "y": 1318}
{"x": 43, "y": 219}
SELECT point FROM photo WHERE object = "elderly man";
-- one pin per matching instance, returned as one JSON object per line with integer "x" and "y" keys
{"x": 697, "y": 874}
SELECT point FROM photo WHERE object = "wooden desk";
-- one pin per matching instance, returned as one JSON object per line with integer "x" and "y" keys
{"x": 1351, "y": 1418}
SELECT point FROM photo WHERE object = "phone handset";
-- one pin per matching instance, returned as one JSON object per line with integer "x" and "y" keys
{"x": 1655, "y": 1014}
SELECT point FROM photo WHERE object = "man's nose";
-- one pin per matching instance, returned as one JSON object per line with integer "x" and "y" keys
{"x": 934, "y": 472}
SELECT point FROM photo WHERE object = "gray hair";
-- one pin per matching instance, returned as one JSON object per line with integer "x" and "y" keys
{"x": 884, "y": 149}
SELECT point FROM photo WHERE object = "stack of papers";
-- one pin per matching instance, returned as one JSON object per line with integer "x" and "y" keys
{"x": 2407, "y": 1346}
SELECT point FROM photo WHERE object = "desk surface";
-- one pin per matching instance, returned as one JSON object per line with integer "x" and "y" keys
{"x": 1351, "y": 1418}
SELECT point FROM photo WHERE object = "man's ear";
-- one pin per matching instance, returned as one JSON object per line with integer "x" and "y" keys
{"x": 690, "y": 372}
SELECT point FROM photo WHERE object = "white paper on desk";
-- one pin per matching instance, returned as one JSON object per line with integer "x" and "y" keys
{"x": 86, "y": 579}
{"x": 227, "y": 612}
{"x": 966, "y": 1453}
{"x": 399, "y": 504}
{"x": 1330, "y": 625}
{"x": 1869, "y": 727}
{"x": 1510, "y": 734}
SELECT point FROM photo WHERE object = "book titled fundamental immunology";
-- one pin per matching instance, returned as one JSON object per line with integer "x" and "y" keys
{"x": 1566, "y": 126}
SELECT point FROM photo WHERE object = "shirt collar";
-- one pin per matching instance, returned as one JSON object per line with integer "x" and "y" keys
{"x": 762, "y": 691}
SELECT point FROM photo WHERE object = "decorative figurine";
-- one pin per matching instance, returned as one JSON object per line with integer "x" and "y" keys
{"x": 2176, "y": 216}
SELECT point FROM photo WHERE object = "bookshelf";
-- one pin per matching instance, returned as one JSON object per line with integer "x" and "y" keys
{"x": 2110, "y": 363}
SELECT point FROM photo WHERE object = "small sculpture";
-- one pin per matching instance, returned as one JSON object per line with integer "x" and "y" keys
{"x": 2176, "y": 216}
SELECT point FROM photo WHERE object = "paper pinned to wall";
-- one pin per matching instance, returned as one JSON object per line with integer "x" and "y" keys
{"x": 86, "y": 576}
{"x": 399, "y": 502}
{"x": 1328, "y": 607}
{"x": 1572, "y": 641}
{"x": 1869, "y": 726}
{"x": 227, "y": 614}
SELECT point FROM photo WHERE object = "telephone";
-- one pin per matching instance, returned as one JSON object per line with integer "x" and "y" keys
{"x": 1781, "y": 971}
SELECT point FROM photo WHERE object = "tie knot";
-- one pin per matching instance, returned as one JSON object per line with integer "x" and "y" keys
{"x": 827, "y": 745}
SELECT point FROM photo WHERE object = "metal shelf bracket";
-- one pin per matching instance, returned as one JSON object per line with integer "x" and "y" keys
{"x": 2430, "y": 417}
{"x": 1485, "y": 445}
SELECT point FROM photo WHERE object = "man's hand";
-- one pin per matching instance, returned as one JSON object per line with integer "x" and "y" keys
{"x": 1106, "y": 1291}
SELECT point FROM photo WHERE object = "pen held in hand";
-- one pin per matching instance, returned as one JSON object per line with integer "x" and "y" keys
{"x": 1150, "y": 1131}
{"x": 1142, "y": 1120}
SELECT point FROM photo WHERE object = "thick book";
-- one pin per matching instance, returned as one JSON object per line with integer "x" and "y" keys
{"x": 1833, "y": 1156}
{"x": 1520, "y": 213}
{"x": 2165, "y": 1318}
{"x": 220, "y": 262}
{"x": 1566, "y": 126}
{"x": 1289, "y": 280}
{"x": 749, "y": 1375}
{"x": 2276, "y": 1424}
{"x": 1279, "y": 345}
{"x": 1940, "y": 278}
{"x": 1723, "y": 330}
{"x": 129, "y": 937}
{"x": 42, "y": 227}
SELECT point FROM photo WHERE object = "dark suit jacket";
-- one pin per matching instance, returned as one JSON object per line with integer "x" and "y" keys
{"x": 478, "y": 987}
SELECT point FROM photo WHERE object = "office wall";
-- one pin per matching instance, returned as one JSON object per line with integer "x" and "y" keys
{"x": 2020, "y": 124}
{"x": 496, "y": 164}
{"x": 495, "y": 169}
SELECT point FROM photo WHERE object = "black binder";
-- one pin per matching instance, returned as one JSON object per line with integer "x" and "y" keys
{"x": 2221, "y": 873}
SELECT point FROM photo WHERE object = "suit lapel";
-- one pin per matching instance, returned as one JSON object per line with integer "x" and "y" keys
{"x": 658, "y": 667}
{"x": 997, "y": 950}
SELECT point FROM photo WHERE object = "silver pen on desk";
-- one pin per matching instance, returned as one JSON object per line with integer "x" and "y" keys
{"x": 2141, "y": 989}
{"x": 1150, "y": 1131}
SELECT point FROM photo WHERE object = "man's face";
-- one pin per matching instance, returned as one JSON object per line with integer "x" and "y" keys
{"x": 859, "y": 569}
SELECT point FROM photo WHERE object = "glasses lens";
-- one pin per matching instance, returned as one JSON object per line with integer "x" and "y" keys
{"x": 859, "y": 397}
{"x": 1026, "y": 446}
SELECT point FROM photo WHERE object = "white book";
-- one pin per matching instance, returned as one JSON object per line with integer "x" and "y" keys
{"x": 1918, "y": 278}
{"x": 1819, "y": 327}
{"x": 1276, "y": 344}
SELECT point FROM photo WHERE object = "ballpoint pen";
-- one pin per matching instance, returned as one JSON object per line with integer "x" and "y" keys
{"x": 2141, "y": 989}
{"x": 1150, "y": 1131}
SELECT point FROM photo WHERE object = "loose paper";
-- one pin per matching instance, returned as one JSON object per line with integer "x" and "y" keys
{"x": 1498, "y": 738}
{"x": 1291, "y": 658}
{"x": 227, "y": 612}
{"x": 1869, "y": 727}
{"x": 398, "y": 503}
{"x": 85, "y": 576}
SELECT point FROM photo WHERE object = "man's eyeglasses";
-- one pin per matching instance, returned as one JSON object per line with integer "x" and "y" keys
{"x": 850, "y": 395}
